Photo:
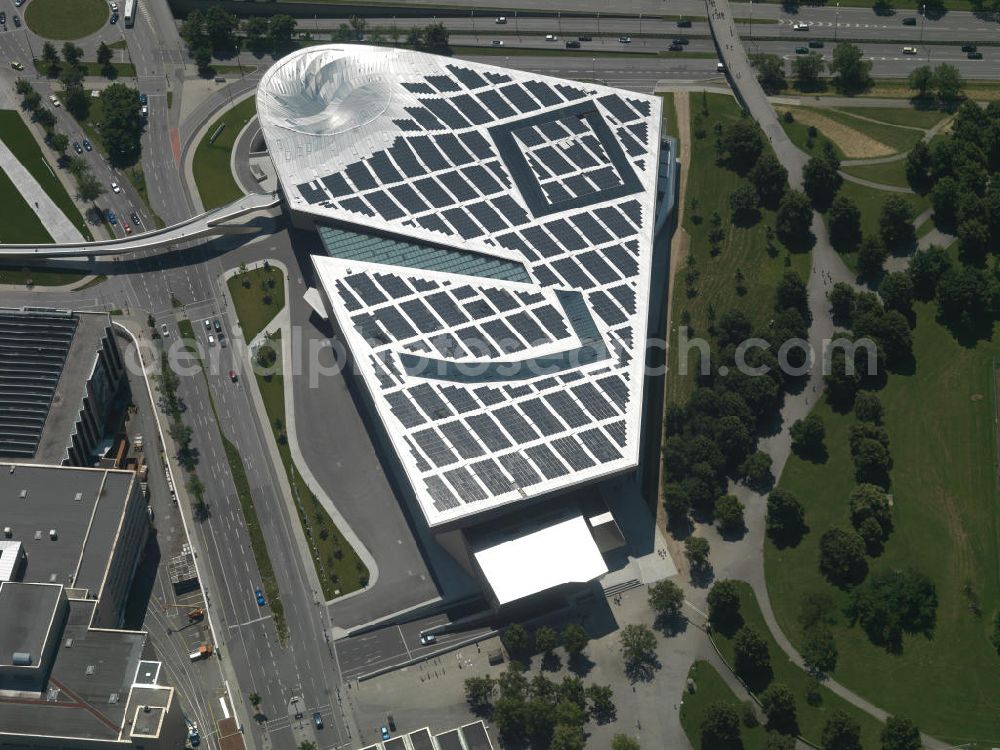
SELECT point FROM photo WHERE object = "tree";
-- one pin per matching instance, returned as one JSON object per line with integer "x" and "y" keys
{"x": 871, "y": 462}
{"x": 254, "y": 698}
{"x": 900, "y": 734}
{"x": 869, "y": 501}
{"x": 433, "y": 38}
{"x": 922, "y": 80}
{"x": 871, "y": 257}
{"x": 77, "y": 102}
{"x": 926, "y": 269}
{"x": 891, "y": 603}
{"x": 842, "y": 298}
{"x": 307, "y": 745}
{"x": 255, "y": 29}
{"x": 844, "y": 220}
{"x": 280, "y": 29}
{"x": 602, "y": 706}
{"x": 756, "y": 470}
{"x": 193, "y": 28}
{"x": 779, "y": 705}
{"x": 807, "y": 70}
{"x": 896, "y": 224}
{"x": 58, "y": 142}
{"x": 820, "y": 181}
{"x": 724, "y": 606}
{"x": 203, "y": 58}
{"x": 220, "y": 27}
{"x": 948, "y": 82}
{"x": 973, "y": 240}
{"x": 567, "y": 737}
{"x": 777, "y": 741}
{"x": 122, "y": 124}
{"x": 851, "y": 72}
{"x": 104, "y": 54}
{"x": 808, "y": 435}
{"x": 720, "y": 729}
{"x": 638, "y": 645}
{"x": 744, "y": 203}
{"x": 676, "y": 502}
{"x": 575, "y": 639}
{"x": 50, "y": 58}
{"x": 841, "y": 732}
{"x": 44, "y": 117}
{"x": 516, "y": 640}
{"x": 88, "y": 188}
{"x": 696, "y": 549}
{"x": 666, "y": 598}
{"x": 842, "y": 556}
{"x": 31, "y": 101}
{"x": 624, "y": 742}
{"x": 918, "y": 167}
{"x": 729, "y": 514}
{"x": 868, "y": 407}
{"x": 769, "y": 178}
{"x": 819, "y": 650}
{"x": 751, "y": 658}
{"x": 946, "y": 196}
{"x": 770, "y": 73}
{"x": 961, "y": 294}
{"x": 479, "y": 692}
{"x": 794, "y": 219}
{"x": 71, "y": 77}
{"x": 896, "y": 291}
{"x": 742, "y": 143}
{"x": 358, "y": 25}
{"x": 546, "y": 639}
{"x": 72, "y": 54}
{"x": 785, "y": 517}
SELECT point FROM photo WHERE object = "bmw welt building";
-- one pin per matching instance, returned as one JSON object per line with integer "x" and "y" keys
{"x": 495, "y": 259}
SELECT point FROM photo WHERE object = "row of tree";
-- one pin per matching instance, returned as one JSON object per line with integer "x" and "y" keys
{"x": 851, "y": 72}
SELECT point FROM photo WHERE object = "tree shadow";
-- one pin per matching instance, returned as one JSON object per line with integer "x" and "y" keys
{"x": 580, "y": 664}
{"x": 757, "y": 679}
{"x": 817, "y": 454}
{"x": 260, "y": 717}
{"x": 789, "y": 537}
{"x": 671, "y": 625}
{"x": 551, "y": 662}
{"x": 702, "y": 576}
{"x": 642, "y": 670}
{"x": 733, "y": 534}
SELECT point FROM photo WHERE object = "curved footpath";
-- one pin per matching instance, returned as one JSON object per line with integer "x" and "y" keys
{"x": 827, "y": 269}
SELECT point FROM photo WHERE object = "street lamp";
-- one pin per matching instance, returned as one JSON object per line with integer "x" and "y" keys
{"x": 923, "y": 15}
{"x": 836, "y": 23}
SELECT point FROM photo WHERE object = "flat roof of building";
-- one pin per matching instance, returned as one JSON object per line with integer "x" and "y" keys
{"x": 489, "y": 234}
{"x": 27, "y": 612}
{"x": 85, "y": 508}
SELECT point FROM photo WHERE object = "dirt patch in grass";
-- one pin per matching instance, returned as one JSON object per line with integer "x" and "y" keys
{"x": 853, "y": 143}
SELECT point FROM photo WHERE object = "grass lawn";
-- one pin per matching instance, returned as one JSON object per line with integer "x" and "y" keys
{"x": 95, "y": 69}
{"x": 898, "y": 88}
{"x": 138, "y": 179}
{"x": 669, "y": 115}
{"x": 66, "y": 19}
{"x": 21, "y": 224}
{"x": 712, "y": 689}
{"x": 940, "y": 423}
{"x": 870, "y": 201}
{"x": 889, "y": 173}
{"x": 743, "y": 249}
{"x": 20, "y": 275}
{"x": 254, "y": 313}
{"x": 21, "y": 142}
{"x": 850, "y": 135}
{"x": 338, "y": 566}
{"x": 798, "y": 133}
{"x": 917, "y": 118}
{"x": 212, "y": 172}
{"x": 899, "y": 139}
{"x": 810, "y": 718}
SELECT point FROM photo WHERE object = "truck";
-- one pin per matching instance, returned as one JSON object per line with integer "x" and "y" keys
{"x": 131, "y": 7}
{"x": 203, "y": 652}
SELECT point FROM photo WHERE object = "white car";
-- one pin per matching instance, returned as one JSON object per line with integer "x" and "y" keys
{"x": 145, "y": 111}
{"x": 115, "y": 187}
{"x": 800, "y": 26}
{"x": 551, "y": 38}
{"x": 164, "y": 329}
{"x": 208, "y": 324}
{"x": 211, "y": 340}
{"x": 55, "y": 100}
{"x": 114, "y": 7}
{"x": 501, "y": 19}
{"x": 909, "y": 50}
{"x": 720, "y": 67}
{"x": 498, "y": 42}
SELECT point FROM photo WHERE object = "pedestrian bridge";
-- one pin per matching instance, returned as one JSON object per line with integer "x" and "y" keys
{"x": 232, "y": 218}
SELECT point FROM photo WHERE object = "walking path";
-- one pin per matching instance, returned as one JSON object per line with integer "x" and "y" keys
{"x": 732, "y": 560}
{"x": 54, "y": 220}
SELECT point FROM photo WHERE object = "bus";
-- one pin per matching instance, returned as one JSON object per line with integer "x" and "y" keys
{"x": 131, "y": 6}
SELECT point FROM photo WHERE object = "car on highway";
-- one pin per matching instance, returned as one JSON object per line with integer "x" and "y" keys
{"x": 260, "y": 597}
{"x": 572, "y": 45}
{"x": 126, "y": 227}
{"x": 498, "y": 42}
{"x": 115, "y": 187}
{"x": 318, "y": 720}
{"x": 143, "y": 99}
{"x": 77, "y": 147}
{"x": 683, "y": 23}
{"x": 112, "y": 219}
{"x": 3, "y": 18}
{"x": 624, "y": 40}
{"x": 801, "y": 50}
{"x": 975, "y": 55}
{"x": 233, "y": 376}
{"x": 16, "y": 65}
{"x": 501, "y": 19}
{"x": 427, "y": 639}
{"x": 55, "y": 100}
{"x": 134, "y": 216}
{"x": 114, "y": 18}
{"x": 17, "y": 21}
{"x": 800, "y": 26}
{"x": 584, "y": 38}
{"x": 720, "y": 67}
{"x": 910, "y": 21}
{"x": 385, "y": 732}
{"x": 18, "y": 3}
{"x": 164, "y": 330}
{"x": 969, "y": 47}
{"x": 816, "y": 43}
{"x": 909, "y": 50}
{"x": 675, "y": 47}
{"x": 217, "y": 325}
{"x": 87, "y": 146}
{"x": 683, "y": 40}
{"x": 551, "y": 38}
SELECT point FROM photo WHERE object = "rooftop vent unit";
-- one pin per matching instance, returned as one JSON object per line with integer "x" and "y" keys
{"x": 8, "y": 532}
{"x": 78, "y": 496}
{"x": 23, "y": 494}
{"x": 53, "y": 534}
{"x": 21, "y": 658}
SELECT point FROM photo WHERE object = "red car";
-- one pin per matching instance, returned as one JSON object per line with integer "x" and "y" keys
{"x": 232, "y": 375}
{"x": 126, "y": 227}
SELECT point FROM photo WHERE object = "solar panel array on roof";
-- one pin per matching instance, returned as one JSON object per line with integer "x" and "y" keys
{"x": 425, "y": 118}
{"x": 434, "y": 448}
{"x": 313, "y": 194}
{"x": 572, "y": 453}
{"x": 496, "y": 104}
{"x": 418, "y": 88}
{"x": 492, "y": 477}
{"x": 457, "y": 185}
{"x": 543, "y": 93}
{"x": 519, "y": 98}
{"x": 442, "y": 83}
{"x": 337, "y": 185}
{"x": 510, "y": 209}
{"x": 519, "y": 469}
{"x": 516, "y": 425}
{"x": 403, "y": 155}
{"x": 469, "y": 78}
{"x": 408, "y": 198}
{"x": 358, "y": 174}
{"x": 462, "y": 440}
{"x": 546, "y": 461}
{"x": 445, "y": 112}
{"x": 618, "y": 108}
{"x": 404, "y": 410}
{"x": 439, "y": 492}
{"x": 459, "y": 219}
{"x": 465, "y": 485}
{"x": 470, "y": 108}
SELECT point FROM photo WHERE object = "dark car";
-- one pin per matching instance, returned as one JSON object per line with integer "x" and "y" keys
{"x": 675, "y": 47}
{"x": 583, "y": 38}
{"x": 3, "y": 18}
{"x": 143, "y": 99}
{"x": 112, "y": 219}
{"x": 318, "y": 720}
{"x": 969, "y": 47}
{"x": 572, "y": 45}
{"x": 681, "y": 40}
{"x": 87, "y": 146}
{"x": 114, "y": 18}
{"x": 801, "y": 50}
{"x": 910, "y": 21}
{"x": 77, "y": 147}
{"x": 135, "y": 219}
{"x": 17, "y": 21}
{"x": 975, "y": 55}
{"x": 816, "y": 43}
{"x": 683, "y": 24}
